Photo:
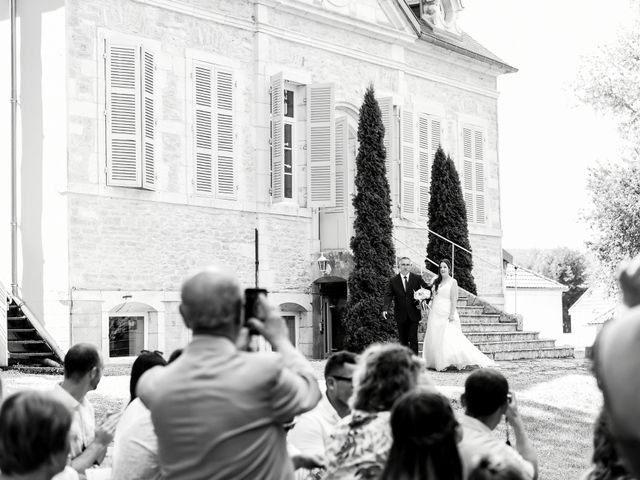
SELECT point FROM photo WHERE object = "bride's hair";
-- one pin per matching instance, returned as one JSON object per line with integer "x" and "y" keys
{"x": 424, "y": 438}
{"x": 438, "y": 280}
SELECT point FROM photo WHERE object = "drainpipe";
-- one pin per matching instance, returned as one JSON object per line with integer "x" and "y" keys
{"x": 14, "y": 170}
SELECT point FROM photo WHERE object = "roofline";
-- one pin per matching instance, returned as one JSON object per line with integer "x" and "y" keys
{"x": 410, "y": 16}
{"x": 441, "y": 42}
{"x": 541, "y": 276}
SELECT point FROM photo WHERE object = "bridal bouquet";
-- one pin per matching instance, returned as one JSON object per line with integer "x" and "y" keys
{"x": 422, "y": 296}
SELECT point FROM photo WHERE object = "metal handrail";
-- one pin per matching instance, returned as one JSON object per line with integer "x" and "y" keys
{"x": 413, "y": 250}
{"x": 453, "y": 244}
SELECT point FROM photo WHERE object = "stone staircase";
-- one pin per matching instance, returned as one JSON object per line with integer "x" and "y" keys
{"x": 26, "y": 343}
{"x": 499, "y": 335}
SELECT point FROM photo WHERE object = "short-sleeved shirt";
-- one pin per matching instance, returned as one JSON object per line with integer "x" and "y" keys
{"x": 83, "y": 421}
{"x": 312, "y": 431}
{"x": 478, "y": 441}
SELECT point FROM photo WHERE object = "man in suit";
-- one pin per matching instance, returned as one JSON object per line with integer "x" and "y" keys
{"x": 405, "y": 311}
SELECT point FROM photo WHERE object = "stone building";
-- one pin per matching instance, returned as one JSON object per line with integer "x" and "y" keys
{"x": 158, "y": 136}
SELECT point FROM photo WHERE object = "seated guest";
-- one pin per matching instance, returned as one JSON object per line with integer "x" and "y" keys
{"x": 34, "y": 436}
{"x": 486, "y": 399}
{"x": 135, "y": 448}
{"x": 82, "y": 373}
{"x": 218, "y": 411}
{"x": 489, "y": 470}
{"x": 607, "y": 465}
{"x": 311, "y": 431}
{"x": 360, "y": 444}
{"x": 425, "y": 437}
{"x": 616, "y": 365}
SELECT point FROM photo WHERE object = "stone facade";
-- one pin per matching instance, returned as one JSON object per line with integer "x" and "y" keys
{"x": 140, "y": 244}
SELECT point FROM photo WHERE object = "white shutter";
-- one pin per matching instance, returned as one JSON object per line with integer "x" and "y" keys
{"x": 479, "y": 175}
{"x": 424, "y": 164}
{"x": 225, "y": 168}
{"x": 148, "y": 120}
{"x": 277, "y": 137}
{"x": 122, "y": 88}
{"x": 342, "y": 167}
{"x": 321, "y": 145}
{"x": 386, "y": 111}
{"x": 408, "y": 164}
{"x": 467, "y": 173}
{"x": 203, "y": 126}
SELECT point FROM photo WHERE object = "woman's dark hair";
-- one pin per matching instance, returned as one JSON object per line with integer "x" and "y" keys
{"x": 485, "y": 470}
{"x": 424, "y": 439}
{"x": 607, "y": 464}
{"x": 384, "y": 373}
{"x": 144, "y": 362}
{"x": 438, "y": 280}
{"x": 34, "y": 426}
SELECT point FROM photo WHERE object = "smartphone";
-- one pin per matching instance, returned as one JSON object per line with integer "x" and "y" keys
{"x": 250, "y": 299}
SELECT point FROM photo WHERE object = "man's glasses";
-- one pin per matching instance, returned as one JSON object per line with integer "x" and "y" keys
{"x": 157, "y": 352}
{"x": 344, "y": 379}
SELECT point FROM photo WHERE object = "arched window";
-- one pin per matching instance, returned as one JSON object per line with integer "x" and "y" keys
{"x": 129, "y": 329}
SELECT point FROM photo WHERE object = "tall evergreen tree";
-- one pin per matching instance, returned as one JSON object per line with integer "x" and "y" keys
{"x": 448, "y": 217}
{"x": 372, "y": 243}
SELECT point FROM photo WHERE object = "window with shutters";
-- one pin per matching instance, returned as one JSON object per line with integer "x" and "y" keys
{"x": 130, "y": 114}
{"x": 213, "y": 131}
{"x": 429, "y": 138}
{"x": 473, "y": 173}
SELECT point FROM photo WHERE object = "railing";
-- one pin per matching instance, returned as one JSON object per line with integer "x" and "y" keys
{"x": 4, "y": 350}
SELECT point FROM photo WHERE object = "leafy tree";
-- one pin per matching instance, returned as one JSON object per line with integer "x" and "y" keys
{"x": 614, "y": 218}
{"x": 448, "y": 217}
{"x": 372, "y": 244}
{"x": 608, "y": 81}
{"x": 564, "y": 265}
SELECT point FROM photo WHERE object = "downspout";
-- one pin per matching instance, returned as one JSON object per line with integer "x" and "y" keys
{"x": 14, "y": 169}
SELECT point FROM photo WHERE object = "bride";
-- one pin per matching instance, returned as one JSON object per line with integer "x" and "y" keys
{"x": 444, "y": 344}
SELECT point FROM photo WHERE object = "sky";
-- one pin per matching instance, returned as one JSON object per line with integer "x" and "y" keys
{"x": 547, "y": 139}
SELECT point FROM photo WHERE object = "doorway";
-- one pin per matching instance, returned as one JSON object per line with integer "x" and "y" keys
{"x": 332, "y": 302}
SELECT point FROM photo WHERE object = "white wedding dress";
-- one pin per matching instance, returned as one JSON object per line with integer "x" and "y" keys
{"x": 444, "y": 343}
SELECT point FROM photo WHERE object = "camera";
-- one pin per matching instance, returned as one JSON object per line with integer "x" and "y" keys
{"x": 250, "y": 304}
{"x": 509, "y": 398}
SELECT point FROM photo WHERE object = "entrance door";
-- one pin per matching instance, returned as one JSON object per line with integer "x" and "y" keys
{"x": 327, "y": 324}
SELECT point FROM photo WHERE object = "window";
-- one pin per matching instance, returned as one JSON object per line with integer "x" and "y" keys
{"x": 126, "y": 336}
{"x": 130, "y": 115}
{"x": 290, "y": 320}
{"x": 287, "y": 134}
{"x": 473, "y": 171}
{"x": 212, "y": 88}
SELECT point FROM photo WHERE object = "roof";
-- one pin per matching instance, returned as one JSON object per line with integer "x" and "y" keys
{"x": 519, "y": 277}
{"x": 595, "y": 294}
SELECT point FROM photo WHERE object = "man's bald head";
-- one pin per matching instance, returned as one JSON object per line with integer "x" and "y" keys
{"x": 211, "y": 302}
{"x": 617, "y": 367}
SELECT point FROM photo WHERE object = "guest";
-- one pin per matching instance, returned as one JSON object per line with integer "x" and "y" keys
{"x": 175, "y": 354}
{"x": 607, "y": 464}
{"x": 360, "y": 444}
{"x": 486, "y": 399}
{"x": 425, "y": 438}
{"x": 488, "y": 470}
{"x": 34, "y": 436}
{"x": 82, "y": 373}
{"x": 135, "y": 449}
{"x": 218, "y": 411}
{"x": 311, "y": 431}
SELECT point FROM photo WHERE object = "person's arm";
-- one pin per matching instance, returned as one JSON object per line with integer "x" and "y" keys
{"x": 295, "y": 390}
{"x": 147, "y": 388}
{"x": 388, "y": 296}
{"x": 454, "y": 299}
{"x": 97, "y": 449}
{"x": 523, "y": 445}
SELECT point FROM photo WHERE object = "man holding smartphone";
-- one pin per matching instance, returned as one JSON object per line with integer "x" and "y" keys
{"x": 486, "y": 400}
{"x": 218, "y": 410}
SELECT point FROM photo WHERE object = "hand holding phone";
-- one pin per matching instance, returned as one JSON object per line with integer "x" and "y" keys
{"x": 267, "y": 321}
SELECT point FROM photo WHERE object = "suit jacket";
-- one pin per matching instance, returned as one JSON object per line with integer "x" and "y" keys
{"x": 218, "y": 412}
{"x": 405, "y": 308}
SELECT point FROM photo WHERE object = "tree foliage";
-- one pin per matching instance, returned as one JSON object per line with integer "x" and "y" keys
{"x": 448, "y": 217}
{"x": 608, "y": 81}
{"x": 614, "y": 219}
{"x": 372, "y": 243}
{"x": 564, "y": 265}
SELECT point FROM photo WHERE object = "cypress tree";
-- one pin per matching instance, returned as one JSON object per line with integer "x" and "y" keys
{"x": 372, "y": 243}
{"x": 448, "y": 217}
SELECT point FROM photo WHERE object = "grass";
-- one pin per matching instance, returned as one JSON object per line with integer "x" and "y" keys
{"x": 557, "y": 398}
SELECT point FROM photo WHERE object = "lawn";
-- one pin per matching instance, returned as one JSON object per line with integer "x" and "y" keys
{"x": 558, "y": 400}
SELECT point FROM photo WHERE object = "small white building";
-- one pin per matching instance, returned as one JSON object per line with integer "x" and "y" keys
{"x": 589, "y": 313}
{"x": 538, "y": 299}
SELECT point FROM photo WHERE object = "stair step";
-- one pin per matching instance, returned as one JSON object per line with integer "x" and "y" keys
{"x": 21, "y": 330}
{"x": 27, "y": 342}
{"x": 16, "y": 317}
{"x": 488, "y": 327}
{"x": 491, "y": 337}
{"x": 484, "y": 318}
{"x": 29, "y": 354}
{"x": 556, "y": 352}
{"x": 463, "y": 311}
{"x": 492, "y": 347}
